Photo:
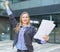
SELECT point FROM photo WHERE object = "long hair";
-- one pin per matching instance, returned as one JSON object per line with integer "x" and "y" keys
{"x": 21, "y": 23}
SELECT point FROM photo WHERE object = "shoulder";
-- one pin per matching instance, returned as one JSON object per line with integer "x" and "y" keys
{"x": 33, "y": 27}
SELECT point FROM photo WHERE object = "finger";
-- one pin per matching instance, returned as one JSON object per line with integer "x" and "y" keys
{"x": 46, "y": 38}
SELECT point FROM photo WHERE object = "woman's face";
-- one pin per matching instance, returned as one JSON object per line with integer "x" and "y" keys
{"x": 25, "y": 18}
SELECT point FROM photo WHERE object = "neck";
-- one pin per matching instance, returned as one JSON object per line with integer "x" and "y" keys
{"x": 25, "y": 24}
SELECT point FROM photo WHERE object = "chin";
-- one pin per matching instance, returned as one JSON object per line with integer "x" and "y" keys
{"x": 25, "y": 22}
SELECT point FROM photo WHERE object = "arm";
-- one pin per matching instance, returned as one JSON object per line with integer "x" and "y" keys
{"x": 11, "y": 17}
{"x": 36, "y": 40}
{"x": 40, "y": 41}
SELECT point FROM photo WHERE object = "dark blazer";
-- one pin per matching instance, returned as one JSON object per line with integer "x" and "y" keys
{"x": 28, "y": 35}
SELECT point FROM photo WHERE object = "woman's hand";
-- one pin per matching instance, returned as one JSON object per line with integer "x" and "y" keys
{"x": 6, "y": 4}
{"x": 46, "y": 37}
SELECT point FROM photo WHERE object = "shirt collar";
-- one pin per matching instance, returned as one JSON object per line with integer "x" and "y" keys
{"x": 26, "y": 26}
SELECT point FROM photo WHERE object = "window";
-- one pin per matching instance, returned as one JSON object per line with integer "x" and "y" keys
{"x": 4, "y": 29}
{"x": 15, "y": 1}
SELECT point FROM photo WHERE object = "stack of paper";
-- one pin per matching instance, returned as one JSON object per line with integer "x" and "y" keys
{"x": 44, "y": 29}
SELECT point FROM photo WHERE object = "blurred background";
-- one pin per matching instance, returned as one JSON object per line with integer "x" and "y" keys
{"x": 38, "y": 10}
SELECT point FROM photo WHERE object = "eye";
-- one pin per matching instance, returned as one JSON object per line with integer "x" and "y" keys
{"x": 26, "y": 17}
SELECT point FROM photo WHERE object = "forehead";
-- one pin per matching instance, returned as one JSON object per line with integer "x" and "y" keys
{"x": 25, "y": 14}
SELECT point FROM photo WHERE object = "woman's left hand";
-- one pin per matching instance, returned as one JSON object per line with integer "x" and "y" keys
{"x": 46, "y": 37}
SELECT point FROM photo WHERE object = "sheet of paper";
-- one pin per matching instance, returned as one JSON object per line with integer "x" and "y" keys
{"x": 44, "y": 29}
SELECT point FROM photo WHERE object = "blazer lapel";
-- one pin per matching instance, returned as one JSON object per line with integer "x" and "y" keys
{"x": 27, "y": 29}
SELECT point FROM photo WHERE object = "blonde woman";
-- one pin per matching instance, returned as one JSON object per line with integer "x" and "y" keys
{"x": 24, "y": 31}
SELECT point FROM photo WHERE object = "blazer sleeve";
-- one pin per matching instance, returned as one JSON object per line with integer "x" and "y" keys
{"x": 11, "y": 18}
{"x": 37, "y": 40}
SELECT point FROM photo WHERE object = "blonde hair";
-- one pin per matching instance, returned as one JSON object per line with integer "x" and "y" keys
{"x": 21, "y": 23}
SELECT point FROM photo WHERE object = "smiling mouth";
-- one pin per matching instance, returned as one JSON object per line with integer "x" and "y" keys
{"x": 25, "y": 20}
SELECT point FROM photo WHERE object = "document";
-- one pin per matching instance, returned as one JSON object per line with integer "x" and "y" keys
{"x": 45, "y": 28}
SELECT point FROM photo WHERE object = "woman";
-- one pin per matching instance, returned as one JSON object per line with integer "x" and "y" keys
{"x": 24, "y": 31}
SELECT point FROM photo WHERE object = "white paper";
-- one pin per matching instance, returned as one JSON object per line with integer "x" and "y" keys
{"x": 44, "y": 29}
